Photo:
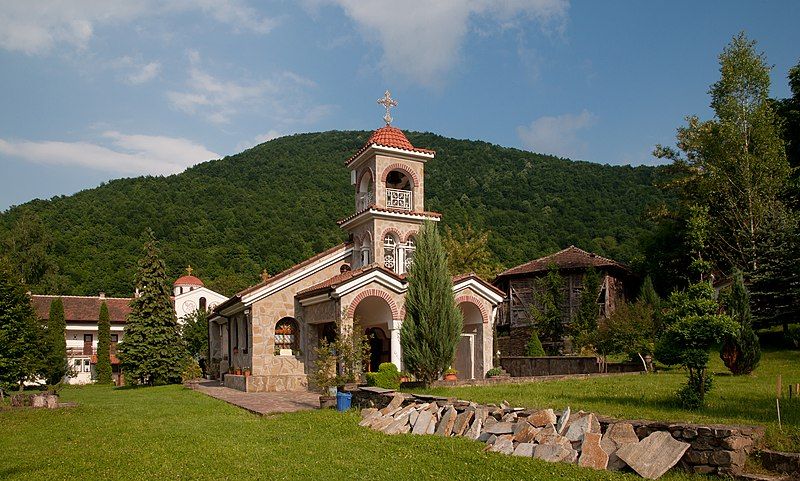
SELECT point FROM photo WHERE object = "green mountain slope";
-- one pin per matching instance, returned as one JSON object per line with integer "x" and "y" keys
{"x": 277, "y": 203}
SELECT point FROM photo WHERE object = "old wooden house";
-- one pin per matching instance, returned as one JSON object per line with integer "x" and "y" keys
{"x": 515, "y": 323}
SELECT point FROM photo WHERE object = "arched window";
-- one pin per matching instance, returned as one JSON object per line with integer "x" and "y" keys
{"x": 366, "y": 255}
{"x": 366, "y": 196}
{"x": 409, "y": 253}
{"x": 287, "y": 336}
{"x": 202, "y": 303}
{"x": 390, "y": 260}
{"x": 398, "y": 190}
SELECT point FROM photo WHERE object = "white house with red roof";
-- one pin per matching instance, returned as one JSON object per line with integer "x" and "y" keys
{"x": 190, "y": 294}
{"x": 273, "y": 328}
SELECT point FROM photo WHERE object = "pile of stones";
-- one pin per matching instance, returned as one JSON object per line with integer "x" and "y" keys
{"x": 39, "y": 400}
{"x": 570, "y": 438}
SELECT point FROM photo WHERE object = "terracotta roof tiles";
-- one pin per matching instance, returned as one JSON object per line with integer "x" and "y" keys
{"x": 83, "y": 308}
{"x": 388, "y": 136}
{"x": 570, "y": 258}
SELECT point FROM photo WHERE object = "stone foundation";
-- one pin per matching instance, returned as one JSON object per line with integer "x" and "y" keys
{"x": 276, "y": 383}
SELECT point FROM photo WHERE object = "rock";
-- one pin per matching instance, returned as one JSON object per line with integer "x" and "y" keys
{"x": 52, "y": 401}
{"x": 404, "y": 412}
{"x": 592, "y": 455}
{"x": 509, "y": 418}
{"x": 736, "y": 443}
{"x": 580, "y": 426}
{"x": 394, "y": 405}
{"x": 561, "y": 427}
{"x": 365, "y": 413}
{"x": 526, "y": 433}
{"x": 616, "y": 436}
{"x": 462, "y": 423}
{"x": 398, "y": 425}
{"x": 474, "y": 430}
{"x": 489, "y": 421}
{"x": 503, "y": 444}
{"x": 504, "y": 405}
{"x": 424, "y": 420}
{"x": 369, "y": 418}
{"x": 38, "y": 401}
{"x": 654, "y": 455}
{"x": 542, "y": 418}
{"x": 412, "y": 418}
{"x": 499, "y": 428}
{"x": 524, "y": 449}
{"x": 382, "y": 423}
{"x": 554, "y": 453}
{"x": 546, "y": 431}
{"x": 445, "y": 427}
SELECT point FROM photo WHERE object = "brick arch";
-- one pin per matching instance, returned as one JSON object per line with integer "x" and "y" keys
{"x": 409, "y": 235}
{"x": 392, "y": 230}
{"x": 351, "y": 309}
{"x": 477, "y": 302}
{"x": 366, "y": 171}
{"x": 404, "y": 168}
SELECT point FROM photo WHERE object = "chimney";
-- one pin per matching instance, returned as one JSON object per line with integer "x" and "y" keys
{"x": 102, "y": 295}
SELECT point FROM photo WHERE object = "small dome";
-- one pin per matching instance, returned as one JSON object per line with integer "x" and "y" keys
{"x": 188, "y": 281}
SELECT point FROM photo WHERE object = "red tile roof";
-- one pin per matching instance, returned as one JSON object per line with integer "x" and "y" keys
{"x": 83, "y": 308}
{"x": 569, "y": 258}
{"x": 340, "y": 279}
{"x": 188, "y": 281}
{"x": 388, "y": 136}
{"x": 390, "y": 211}
{"x": 472, "y": 275}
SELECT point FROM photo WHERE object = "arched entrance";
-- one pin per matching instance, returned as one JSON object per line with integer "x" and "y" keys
{"x": 374, "y": 315}
{"x": 469, "y": 351}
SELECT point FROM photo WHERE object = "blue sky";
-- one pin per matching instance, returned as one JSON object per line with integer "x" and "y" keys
{"x": 93, "y": 90}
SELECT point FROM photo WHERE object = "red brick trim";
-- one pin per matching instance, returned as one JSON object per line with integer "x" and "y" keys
{"x": 394, "y": 231}
{"x": 404, "y": 168}
{"x": 478, "y": 304}
{"x": 351, "y": 310}
{"x": 409, "y": 235}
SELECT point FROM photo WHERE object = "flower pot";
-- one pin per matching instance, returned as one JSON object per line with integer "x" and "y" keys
{"x": 327, "y": 402}
{"x": 247, "y": 373}
{"x": 450, "y": 377}
{"x": 238, "y": 372}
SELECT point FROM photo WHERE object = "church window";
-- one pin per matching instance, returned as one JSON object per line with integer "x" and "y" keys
{"x": 399, "y": 191}
{"x": 365, "y": 192}
{"x": 390, "y": 260}
{"x": 409, "y": 254}
{"x": 203, "y": 304}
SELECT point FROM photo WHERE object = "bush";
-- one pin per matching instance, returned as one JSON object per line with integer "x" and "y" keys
{"x": 191, "y": 371}
{"x": 495, "y": 371}
{"x": 794, "y": 336}
{"x": 535, "y": 348}
{"x": 387, "y": 377}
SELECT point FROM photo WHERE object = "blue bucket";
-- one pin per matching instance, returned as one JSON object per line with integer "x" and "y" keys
{"x": 343, "y": 400}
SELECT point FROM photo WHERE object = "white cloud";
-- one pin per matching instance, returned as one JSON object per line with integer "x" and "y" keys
{"x": 145, "y": 73}
{"x": 36, "y": 27}
{"x": 258, "y": 139}
{"x": 557, "y": 135}
{"x": 282, "y": 97}
{"x": 127, "y": 154}
{"x": 422, "y": 40}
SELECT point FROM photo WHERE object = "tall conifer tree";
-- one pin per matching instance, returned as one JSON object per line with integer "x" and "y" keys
{"x": 152, "y": 351}
{"x": 20, "y": 341}
{"x": 103, "y": 346}
{"x": 55, "y": 359}
{"x": 741, "y": 351}
{"x": 433, "y": 323}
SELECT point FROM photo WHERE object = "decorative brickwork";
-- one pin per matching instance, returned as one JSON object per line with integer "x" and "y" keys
{"x": 402, "y": 168}
{"x": 478, "y": 304}
{"x": 373, "y": 292}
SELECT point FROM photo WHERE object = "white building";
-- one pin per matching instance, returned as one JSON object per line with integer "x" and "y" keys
{"x": 190, "y": 295}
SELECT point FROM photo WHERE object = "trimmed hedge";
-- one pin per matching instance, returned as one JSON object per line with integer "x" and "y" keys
{"x": 387, "y": 377}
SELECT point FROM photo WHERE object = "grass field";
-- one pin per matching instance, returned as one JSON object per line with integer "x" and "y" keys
{"x": 174, "y": 433}
{"x": 734, "y": 400}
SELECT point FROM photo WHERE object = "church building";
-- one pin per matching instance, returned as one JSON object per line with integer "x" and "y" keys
{"x": 273, "y": 328}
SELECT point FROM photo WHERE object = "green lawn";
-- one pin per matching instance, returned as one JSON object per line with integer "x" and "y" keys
{"x": 738, "y": 400}
{"x": 174, "y": 433}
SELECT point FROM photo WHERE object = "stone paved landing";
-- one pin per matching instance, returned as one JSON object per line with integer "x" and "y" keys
{"x": 261, "y": 402}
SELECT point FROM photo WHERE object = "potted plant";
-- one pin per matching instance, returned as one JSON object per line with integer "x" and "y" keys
{"x": 405, "y": 377}
{"x": 247, "y": 372}
{"x": 451, "y": 375}
{"x": 323, "y": 374}
{"x": 238, "y": 371}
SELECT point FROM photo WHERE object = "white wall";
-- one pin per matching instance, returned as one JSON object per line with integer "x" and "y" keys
{"x": 189, "y": 301}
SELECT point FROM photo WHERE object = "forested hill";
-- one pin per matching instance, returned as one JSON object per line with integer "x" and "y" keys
{"x": 277, "y": 203}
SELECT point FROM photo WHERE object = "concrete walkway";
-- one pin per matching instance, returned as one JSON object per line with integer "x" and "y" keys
{"x": 263, "y": 403}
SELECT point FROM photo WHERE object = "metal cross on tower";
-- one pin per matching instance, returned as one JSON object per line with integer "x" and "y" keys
{"x": 388, "y": 102}
{"x": 189, "y": 269}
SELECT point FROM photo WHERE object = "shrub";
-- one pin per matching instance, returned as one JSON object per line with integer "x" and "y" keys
{"x": 794, "y": 335}
{"x": 495, "y": 371}
{"x": 741, "y": 351}
{"x": 387, "y": 377}
{"x": 535, "y": 348}
{"x": 191, "y": 370}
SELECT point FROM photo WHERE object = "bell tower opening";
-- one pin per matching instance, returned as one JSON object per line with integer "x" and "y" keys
{"x": 399, "y": 191}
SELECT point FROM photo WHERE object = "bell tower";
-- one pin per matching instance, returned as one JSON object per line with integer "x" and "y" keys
{"x": 388, "y": 174}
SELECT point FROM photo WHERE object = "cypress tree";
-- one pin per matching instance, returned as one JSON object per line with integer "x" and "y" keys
{"x": 432, "y": 326}
{"x": 152, "y": 351}
{"x": 535, "y": 348}
{"x": 585, "y": 322}
{"x": 103, "y": 346}
{"x": 741, "y": 351}
{"x": 20, "y": 335}
{"x": 55, "y": 359}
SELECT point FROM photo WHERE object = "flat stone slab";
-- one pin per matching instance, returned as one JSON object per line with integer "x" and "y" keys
{"x": 445, "y": 427}
{"x": 503, "y": 444}
{"x": 394, "y": 405}
{"x": 654, "y": 455}
{"x": 592, "y": 455}
{"x": 524, "y": 450}
{"x": 500, "y": 428}
{"x": 584, "y": 424}
{"x": 555, "y": 453}
{"x": 526, "y": 433}
{"x": 616, "y": 436}
{"x": 425, "y": 419}
{"x": 474, "y": 431}
{"x": 561, "y": 427}
{"x": 542, "y": 418}
{"x": 462, "y": 423}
